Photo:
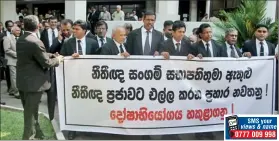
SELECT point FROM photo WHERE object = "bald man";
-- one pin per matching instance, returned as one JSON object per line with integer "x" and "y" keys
{"x": 9, "y": 44}
{"x": 116, "y": 47}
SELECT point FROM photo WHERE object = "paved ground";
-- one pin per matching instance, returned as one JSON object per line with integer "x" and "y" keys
{"x": 11, "y": 101}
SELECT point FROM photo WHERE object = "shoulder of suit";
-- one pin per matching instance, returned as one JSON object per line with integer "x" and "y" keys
{"x": 157, "y": 32}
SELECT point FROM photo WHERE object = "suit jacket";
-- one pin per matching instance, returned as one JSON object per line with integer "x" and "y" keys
{"x": 110, "y": 48}
{"x": 9, "y": 43}
{"x": 44, "y": 39}
{"x": 33, "y": 64}
{"x": 94, "y": 17}
{"x": 90, "y": 35}
{"x": 168, "y": 46}
{"x": 236, "y": 48}
{"x": 134, "y": 42}
{"x": 107, "y": 39}
{"x": 56, "y": 46}
{"x": 2, "y": 52}
{"x": 250, "y": 46}
{"x": 69, "y": 47}
{"x": 199, "y": 48}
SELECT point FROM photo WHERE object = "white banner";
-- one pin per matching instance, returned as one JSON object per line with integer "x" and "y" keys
{"x": 153, "y": 96}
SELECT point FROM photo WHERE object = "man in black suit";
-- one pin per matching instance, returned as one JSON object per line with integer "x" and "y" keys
{"x": 176, "y": 46}
{"x": 116, "y": 46}
{"x": 47, "y": 36}
{"x": 259, "y": 46}
{"x": 94, "y": 18}
{"x": 167, "y": 31}
{"x": 207, "y": 47}
{"x": 66, "y": 31}
{"x": 32, "y": 75}
{"x": 231, "y": 50}
{"x": 8, "y": 24}
{"x": 101, "y": 30}
{"x": 88, "y": 32}
{"x": 79, "y": 44}
{"x": 145, "y": 40}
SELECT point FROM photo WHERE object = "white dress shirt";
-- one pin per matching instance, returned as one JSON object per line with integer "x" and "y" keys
{"x": 8, "y": 33}
{"x": 143, "y": 37}
{"x": 83, "y": 45}
{"x": 229, "y": 50}
{"x": 210, "y": 47}
{"x": 118, "y": 46}
{"x": 49, "y": 32}
{"x": 100, "y": 42}
{"x": 258, "y": 46}
{"x": 165, "y": 38}
{"x": 175, "y": 42}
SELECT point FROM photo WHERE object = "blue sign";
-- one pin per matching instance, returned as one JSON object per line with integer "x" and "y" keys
{"x": 250, "y": 127}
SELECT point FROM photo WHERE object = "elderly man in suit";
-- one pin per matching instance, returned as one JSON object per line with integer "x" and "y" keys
{"x": 231, "y": 50}
{"x": 10, "y": 54}
{"x": 8, "y": 25}
{"x": 145, "y": 40}
{"x": 259, "y": 46}
{"x": 116, "y": 46}
{"x": 33, "y": 75}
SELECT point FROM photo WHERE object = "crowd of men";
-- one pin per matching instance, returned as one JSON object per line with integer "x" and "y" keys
{"x": 34, "y": 50}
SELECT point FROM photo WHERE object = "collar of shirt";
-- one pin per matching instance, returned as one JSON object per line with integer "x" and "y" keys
{"x": 99, "y": 39}
{"x": 50, "y": 30}
{"x": 82, "y": 40}
{"x": 33, "y": 33}
{"x": 228, "y": 45}
{"x": 87, "y": 32}
{"x": 143, "y": 30}
{"x": 258, "y": 42}
{"x": 204, "y": 43}
{"x": 165, "y": 38}
{"x": 118, "y": 46}
{"x": 175, "y": 42}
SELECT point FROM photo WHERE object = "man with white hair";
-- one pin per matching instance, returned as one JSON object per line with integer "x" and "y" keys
{"x": 118, "y": 15}
{"x": 33, "y": 78}
{"x": 116, "y": 47}
{"x": 9, "y": 44}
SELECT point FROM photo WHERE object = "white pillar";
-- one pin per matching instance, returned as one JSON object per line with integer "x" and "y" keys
{"x": 207, "y": 9}
{"x": 167, "y": 10}
{"x": 75, "y": 9}
{"x": 8, "y": 10}
{"x": 271, "y": 9}
{"x": 193, "y": 10}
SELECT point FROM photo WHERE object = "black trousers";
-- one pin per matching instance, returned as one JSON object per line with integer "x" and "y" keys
{"x": 7, "y": 77}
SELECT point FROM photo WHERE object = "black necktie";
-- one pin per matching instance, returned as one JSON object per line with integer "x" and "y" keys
{"x": 208, "y": 50}
{"x": 102, "y": 41}
{"x": 79, "y": 48}
{"x": 232, "y": 52}
{"x": 121, "y": 49}
{"x": 262, "y": 49}
{"x": 53, "y": 35}
{"x": 177, "y": 47}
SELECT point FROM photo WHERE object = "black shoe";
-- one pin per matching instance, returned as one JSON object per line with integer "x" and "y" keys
{"x": 17, "y": 97}
{"x": 10, "y": 94}
{"x": 71, "y": 135}
{"x": 2, "y": 103}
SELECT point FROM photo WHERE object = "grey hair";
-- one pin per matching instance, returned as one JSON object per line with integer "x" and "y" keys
{"x": 115, "y": 29}
{"x": 14, "y": 28}
{"x": 31, "y": 23}
{"x": 229, "y": 30}
{"x": 118, "y": 6}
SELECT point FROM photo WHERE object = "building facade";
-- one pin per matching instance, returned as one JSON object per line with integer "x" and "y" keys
{"x": 191, "y": 10}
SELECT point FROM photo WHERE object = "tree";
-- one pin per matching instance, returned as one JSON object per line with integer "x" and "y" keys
{"x": 244, "y": 19}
